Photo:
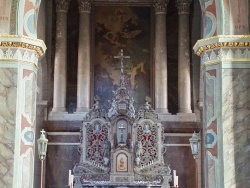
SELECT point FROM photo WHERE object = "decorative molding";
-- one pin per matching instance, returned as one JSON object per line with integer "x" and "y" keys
{"x": 208, "y": 3}
{"x": 19, "y": 55}
{"x": 62, "y": 5}
{"x": 183, "y": 6}
{"x": 84, "y": 6}
{"x": 124, "y": 179}
{"x": 221, "y": 41}
{"x": 211, "y": 26}
{"x": 226, "y": 17}
{"x": 222, "y": 45}
{"x": 22, "y": 45}
{"x": 161, "y": 6}
{"x": 13, "y": 17}
{"x": 63, "y": 134}
{"x": 23, "y": 38}
{"x": 226, "y": 55}
{"x": 28, "y": 136}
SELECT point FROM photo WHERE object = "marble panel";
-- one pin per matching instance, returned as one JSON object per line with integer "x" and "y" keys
{"x": 236, "y": 123}
{"x": 211, "y": 166}
{"x": 27, "y": 165}
{"x": 8, "y": 93}
{"x": 209, "y": 99}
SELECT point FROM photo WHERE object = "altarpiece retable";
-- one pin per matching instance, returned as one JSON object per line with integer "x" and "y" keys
{"x": 121, "y": 148}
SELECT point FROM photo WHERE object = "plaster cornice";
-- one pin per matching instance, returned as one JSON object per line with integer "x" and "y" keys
{"x": 221, "y": 41}
{"x": 20, "y": 41}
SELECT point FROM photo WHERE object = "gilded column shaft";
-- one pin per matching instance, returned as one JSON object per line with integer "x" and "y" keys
{"x": 60, "y": 66}
{"x": 83, "y": 71}
{"x": 184, "y": 85}
{"x": 161, "y": 95}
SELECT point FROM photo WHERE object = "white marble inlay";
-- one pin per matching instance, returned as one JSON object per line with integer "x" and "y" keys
{"x": 8, "y": 92}
{"x": 236, "y": 122}
{"x": 26, "y": 160}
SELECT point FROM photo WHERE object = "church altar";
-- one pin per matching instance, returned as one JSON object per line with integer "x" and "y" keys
{"x": 121, "y": 148}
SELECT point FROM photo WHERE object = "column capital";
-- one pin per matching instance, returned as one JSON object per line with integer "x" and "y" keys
{"x": 62, "y": 5}
{"x": 84, "y": 6}
{"x": 161, "y": 6}
{"x": 21, "y": 49}
{"x": 224, "y": 48}
{"x": 232, "y": 42}
{"x": 183, "y": 6}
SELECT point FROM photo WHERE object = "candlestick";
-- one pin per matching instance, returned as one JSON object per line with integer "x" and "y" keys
{"x": 175, "y": 179}
{"x": 69, "y": 177}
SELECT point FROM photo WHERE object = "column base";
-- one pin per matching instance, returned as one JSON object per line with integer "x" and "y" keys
{"x": 162, "y": 111}
{"x": 81, "y": 109}
{"x": 59, "y": 109}
{"x": 185, "y": 111}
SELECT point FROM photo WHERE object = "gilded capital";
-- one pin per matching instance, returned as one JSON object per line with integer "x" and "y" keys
{"x": 183, "y": 6}
{"x": 62, "y": 5}
{"x": 84, "y": 6}
{"x": 161, "y": 6}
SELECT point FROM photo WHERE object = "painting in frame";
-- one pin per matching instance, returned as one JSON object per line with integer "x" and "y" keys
{"x": 127, "y": 28}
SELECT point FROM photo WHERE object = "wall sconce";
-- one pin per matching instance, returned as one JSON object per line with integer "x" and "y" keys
{"x": 194, "y": 143}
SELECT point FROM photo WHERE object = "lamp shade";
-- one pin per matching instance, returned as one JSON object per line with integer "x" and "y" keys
{"x": 42, "y": 143}
{"x": 194, "y": 143}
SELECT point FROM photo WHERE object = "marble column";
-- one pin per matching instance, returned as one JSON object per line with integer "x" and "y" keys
{"x": 60, "y": 66}
{"x": 83, "y": 70}
{"x": 225, "y": 63}
{"x": 184, "y": 85}
{"x": 18, "y": 82}
{"x": 161, "y": 86}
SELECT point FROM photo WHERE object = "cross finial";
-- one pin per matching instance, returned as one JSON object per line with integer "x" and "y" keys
{"x": 43, "y": 131}
{"x": 121, "y": 127}
{"x": 121, "y": 57}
